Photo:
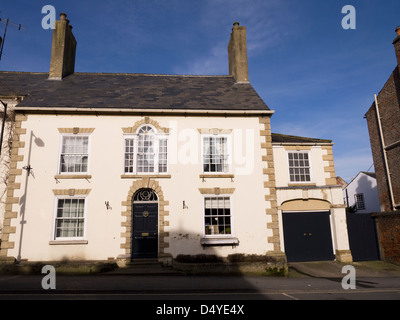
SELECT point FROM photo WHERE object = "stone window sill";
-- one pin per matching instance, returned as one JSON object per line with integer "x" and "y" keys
{"x": 219, "y": 241}
{"x": 300, "y": 184}
{"x": 72, "y": 176}
{"x": 140, "y": 176}
{"x": 67, "y": 242}
{"x": 209, "y": 175}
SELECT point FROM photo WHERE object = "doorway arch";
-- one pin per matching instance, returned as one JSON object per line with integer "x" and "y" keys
{"x": 163, "y": 214}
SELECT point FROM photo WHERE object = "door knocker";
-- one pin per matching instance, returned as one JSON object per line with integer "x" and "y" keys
{"x": 145, "y": 214}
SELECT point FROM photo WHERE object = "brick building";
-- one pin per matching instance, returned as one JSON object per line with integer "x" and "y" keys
{"x": 383, "y": 119}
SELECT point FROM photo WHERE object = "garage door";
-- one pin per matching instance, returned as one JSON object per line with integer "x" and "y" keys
{"x": 307, "y": 236}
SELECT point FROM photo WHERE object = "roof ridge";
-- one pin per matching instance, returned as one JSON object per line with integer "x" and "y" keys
{"x": 127, "y": 74}
{"x": 23, "y": 72}
{"x": 152, "y": 74}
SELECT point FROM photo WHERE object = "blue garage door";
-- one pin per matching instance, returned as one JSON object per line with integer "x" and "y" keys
{"x": 307, "y": 236}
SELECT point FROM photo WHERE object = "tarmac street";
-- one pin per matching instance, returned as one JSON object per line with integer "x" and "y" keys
{"x": 306, "y": 281}
{"x": 178, "y": 288}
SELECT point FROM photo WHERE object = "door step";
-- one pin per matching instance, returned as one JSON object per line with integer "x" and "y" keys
{"x": 143, "y": 262}
{"x": 145, "y": 267}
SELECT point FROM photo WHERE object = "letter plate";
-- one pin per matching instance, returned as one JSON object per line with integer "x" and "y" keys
{"x": 145, "y": 234}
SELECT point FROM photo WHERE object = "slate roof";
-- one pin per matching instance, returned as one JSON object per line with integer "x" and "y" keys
{"x": 370, "y": 174}
{"x": 131, "y": 91}
{"x": 283, "y": 138}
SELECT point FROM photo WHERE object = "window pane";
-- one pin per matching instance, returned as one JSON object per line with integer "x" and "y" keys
{"x": 145, "y": 156}
{"x": 215, "y": 154}
{"x": 74, "y": 154}
{"x": 162, "y": 156}
{"x": 360, "y": 205}
{"x": 129, "y": 155}
{"x": 70, "y": 218}
{"x": 217, "y": 219}
{"x": 299, "y": 167}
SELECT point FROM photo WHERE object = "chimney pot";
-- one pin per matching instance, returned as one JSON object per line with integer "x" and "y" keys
{"x": 236, "y": 24}
{"x": 398, "y": 30}
{"x": 63, "y": 16}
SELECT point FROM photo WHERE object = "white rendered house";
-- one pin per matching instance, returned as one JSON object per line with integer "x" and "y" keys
{"x": 130, "y": 166}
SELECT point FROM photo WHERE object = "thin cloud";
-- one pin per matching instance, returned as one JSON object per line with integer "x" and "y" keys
{"x": 348, "y": 166}
{"x": 217, "y": 19}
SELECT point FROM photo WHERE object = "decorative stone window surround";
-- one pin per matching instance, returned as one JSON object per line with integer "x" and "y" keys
{"x": 74, "y": 130}
{"x": 218, "y": 240}
{"x": 327, "y": 157}
{"x": 146, "y": 120}
{"x": 70, "y": 193}
{"x": 217, "y": 191}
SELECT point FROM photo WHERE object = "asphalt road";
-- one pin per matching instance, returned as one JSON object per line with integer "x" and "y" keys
{"x": 188, "y": 297}
{"x": 195, "y": 288}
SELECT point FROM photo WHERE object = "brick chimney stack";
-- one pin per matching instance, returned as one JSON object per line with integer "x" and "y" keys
{"x": 63, "y": 50}
{"x": 396, "y": 43}
{"x": 237, "y": 54}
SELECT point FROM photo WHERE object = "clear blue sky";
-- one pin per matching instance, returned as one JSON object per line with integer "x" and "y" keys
{"x": 319, "y": 78}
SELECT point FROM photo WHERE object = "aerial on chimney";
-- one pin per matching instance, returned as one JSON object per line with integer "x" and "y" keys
{"x": 63, "y": 50}
{"x": 237, "y": 54}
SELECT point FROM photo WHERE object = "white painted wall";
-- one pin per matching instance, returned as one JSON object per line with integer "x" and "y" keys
{"x": 316, "y": 162}
{"x": 103, "y": 227}
{"x": 365, "y": 184}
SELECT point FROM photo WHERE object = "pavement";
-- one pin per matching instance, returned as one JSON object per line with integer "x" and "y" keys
{"x": 317, "y": 269}
{"x": 314, "y": 269}
{"x": 333, "y": 269}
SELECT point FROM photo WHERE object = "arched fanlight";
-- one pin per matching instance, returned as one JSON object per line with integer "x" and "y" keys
{"x": 145, "y": 195}
{"x": 146, "y": 130}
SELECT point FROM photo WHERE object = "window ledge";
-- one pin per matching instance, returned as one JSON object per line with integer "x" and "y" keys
{"x": 72, "y": 176}
{"x": 219, "y": 241}
{"x": 139, "y": 176}
{"x": 306, "y": 184}
{"x": 210, "y": 175}
{"x": 67, "y": 242}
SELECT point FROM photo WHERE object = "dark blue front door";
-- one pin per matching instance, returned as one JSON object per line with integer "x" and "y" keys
{"x": 145, "y": 230}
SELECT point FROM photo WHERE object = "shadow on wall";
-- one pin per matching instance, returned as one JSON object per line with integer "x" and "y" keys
{"x": 370, "y": 197}
{"x": 38, "y": 142}
{"x": 212, "y": 262}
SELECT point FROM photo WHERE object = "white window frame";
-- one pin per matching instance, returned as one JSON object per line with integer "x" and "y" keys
{"x": 157, "y": 137}
{"x": 229, "y": 153}
{"x": 54, "y": 229}
{"x": 232, "y": 234}
{"x": 309, "y": 166}
{"x": 356, "y": 199}
{"x": 62, "y": 136}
